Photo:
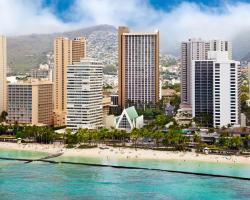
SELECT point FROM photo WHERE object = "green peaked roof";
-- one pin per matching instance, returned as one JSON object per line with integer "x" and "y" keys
{"x": 131, "y": 112}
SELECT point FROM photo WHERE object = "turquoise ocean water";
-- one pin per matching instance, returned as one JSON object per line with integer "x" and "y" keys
{"x": 39, "y": 180}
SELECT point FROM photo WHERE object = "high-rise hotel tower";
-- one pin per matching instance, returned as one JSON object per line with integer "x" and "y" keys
{"x": 84, "y": 98}
{"x": 3, "y": 71}
{"x": 138, "y": 57}
{"x": 197, "y": 49}
{"x": 215, "y": 90}
{"x": 66, "y": 52}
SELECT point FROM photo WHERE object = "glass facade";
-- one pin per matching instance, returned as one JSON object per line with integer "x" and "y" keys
{"x": 204, "y": 92}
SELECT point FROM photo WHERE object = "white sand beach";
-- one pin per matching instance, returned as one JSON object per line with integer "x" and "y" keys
{"x": 126, "y": 153}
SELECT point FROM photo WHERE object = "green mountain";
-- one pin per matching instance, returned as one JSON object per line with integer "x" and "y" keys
{"x": 28, "y": 51}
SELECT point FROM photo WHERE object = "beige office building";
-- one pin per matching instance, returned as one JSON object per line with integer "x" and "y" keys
{"x": 30, "y": 102}
{"x": 66, "y": 52}
{"x": 3, "y": 71}
{"x": 138, "y": 57}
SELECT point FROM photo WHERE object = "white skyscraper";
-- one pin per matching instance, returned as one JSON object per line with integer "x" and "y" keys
{"x": 3, "y": 71}
{"x": 215, "y": 90}
{"x": 197, "y": 49}
{"x": 191, "y": 50}
{"x": 221, "y": 45}
{"x": 84, "y": 95}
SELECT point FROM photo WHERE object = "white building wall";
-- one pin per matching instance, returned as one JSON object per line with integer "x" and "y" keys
{"x": 221, "y": 45}
{"x": 243, "y": 120}
{"x": 226, "y": 102}
{"x": 226, "y": 106}
{"x": 84, "y": 95}
{"x": 3, "y": 71}
{"x": 197, "y": 49}
{"x": 109, "y": 121}
{"x": 139, "y": 122}
{"x": 193, "y": 88}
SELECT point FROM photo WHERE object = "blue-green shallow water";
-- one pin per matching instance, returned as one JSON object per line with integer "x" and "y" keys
{"x": 21, "y": 154}
{"x": 241, "y": 170}
{"x": 48, "y": 181}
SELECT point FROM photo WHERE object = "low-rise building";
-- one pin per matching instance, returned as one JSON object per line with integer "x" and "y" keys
{"x": 209, "y": 138}
{"x": 184, "y": 116}
{"x": 129, "y": 119}
{"x": 169, "y": 109}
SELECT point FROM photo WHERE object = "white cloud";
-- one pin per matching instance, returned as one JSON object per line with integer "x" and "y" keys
{"x": 27, "y": 16}
{"x": 182, "y": 22}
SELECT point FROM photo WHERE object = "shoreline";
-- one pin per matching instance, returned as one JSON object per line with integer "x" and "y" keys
{"x": 123, "y": 153}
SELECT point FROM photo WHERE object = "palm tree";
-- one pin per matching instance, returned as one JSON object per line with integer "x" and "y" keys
{"x": 67, "y": 132}
{"x": 3, "y": 116}
{"x": 197, "y": 138}
{"x": 236, "y": 142}
{"x": 246, "y": 141}
{"x": 83, "y": 135}
{"x": 157, "y": 136}
{"x": 134, "y": 135}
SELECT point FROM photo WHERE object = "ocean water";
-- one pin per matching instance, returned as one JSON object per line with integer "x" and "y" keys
{"x": 39, "y": 180}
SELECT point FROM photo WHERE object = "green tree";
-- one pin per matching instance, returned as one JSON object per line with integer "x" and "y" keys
{"x": 71, "y": 138}
{"x": 243, "y": 97}
{"x": 104, "y": 133}
{"x": 44, "y": 135}
{"x": 134, "y": 135}
{"x": 197, "y": 138}
{"x": 236, "y": 142}
{"x": 3, "y": 116}
{"x": 245, "y": 141}
{"x": 83, "y": 135}
{"x": 161, "y": 120}
{"x": 157, "y": 136}
{"x": 21, "y": 134}
{"x": 244, "y": 88}
{"x": 3, "y": 129}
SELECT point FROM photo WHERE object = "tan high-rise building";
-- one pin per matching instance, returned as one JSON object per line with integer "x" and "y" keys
{"x": 30, "y": 102}
{"x": 3, "y": 71}
{"x": 138, "y": 57}
{"x": 79, "y": 49}
{"x": 66, "y": 52}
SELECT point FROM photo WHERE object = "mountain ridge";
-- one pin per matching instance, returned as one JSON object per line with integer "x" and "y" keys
{"x": 25, "y": 52}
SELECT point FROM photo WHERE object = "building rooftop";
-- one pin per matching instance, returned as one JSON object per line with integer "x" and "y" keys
{"x": 168, "y": 92}
{"x": 31, "y": 82}
{"x": 132, "y": 112}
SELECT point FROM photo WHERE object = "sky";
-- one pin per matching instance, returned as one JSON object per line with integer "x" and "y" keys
{"x": 177, "y": 20}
